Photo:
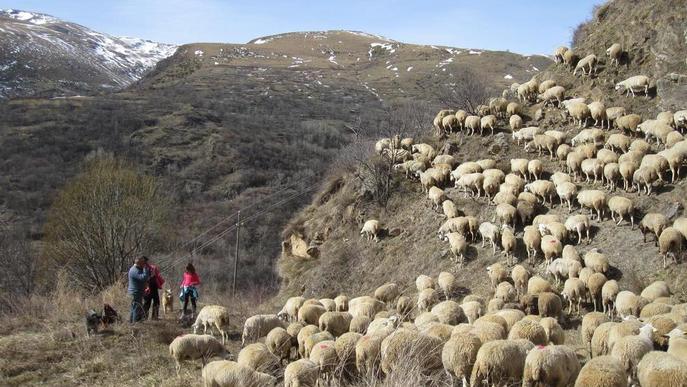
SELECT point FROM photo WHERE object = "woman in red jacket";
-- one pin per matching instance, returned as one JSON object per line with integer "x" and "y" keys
{"x": 189, "y": 290}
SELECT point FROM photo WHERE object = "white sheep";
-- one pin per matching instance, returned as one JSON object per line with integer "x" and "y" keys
{"x": 472, "y": 182}
{"x": 594, "y": 200}
{"x": 680, "y": 119}
{"x": 615, "y": 52}
{"x": 458, "y": 355}
{"x": 489, "y": 232}
{"x": 588, "y": 61}
{"x": 558, "y": 54}
{"x": 508, "y": 243}
{"x": 487, "y": 122}
{"x": 458, "y": 244}
{"x": 554, "y": 93}
{"x": 500, "y": 361}
{"x": 555, "y": 365}
{"x": 579, "y": 224}
{"x": 566, "y": 192}
{"x": 602, "y": 371}
{"x": 192, "y": 346}
{"x": 213, "y": 316}
{"x": 597, "y": 110}
{"x": 527, "y": 133}
{"x": 301, "y": 373}
{"x": 542, "y": 142}
{"x": 635, "y": 83}
{"x": 259, "y": 326}
{"x": 630, "y": 349}
{"x": 670, "y": 244}
{"x": 659, "y": 369}
{"x": 532, "y": 239}
{"x": 615, "y": 112}
{"x": 223, "y": 373}
{"x": 592, "y": 167}
{"x": 436, "y": 196}
{"x": 371, "y": 229}
{"x": 407, "y": 346}
{"x": 543, "y": 189}
{"x": 623, "y": 207}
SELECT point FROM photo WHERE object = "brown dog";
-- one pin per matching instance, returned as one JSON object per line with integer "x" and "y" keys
{"x": 167, "y": 302}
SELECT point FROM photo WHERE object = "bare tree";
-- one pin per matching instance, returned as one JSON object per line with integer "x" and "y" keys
{"x": 102, "y": 219}
{"x": 18, "y": 260}
{"x": 467, "y": 91}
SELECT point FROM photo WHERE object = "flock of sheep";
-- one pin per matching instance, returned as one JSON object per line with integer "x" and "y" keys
{"x": 516, "y": 336}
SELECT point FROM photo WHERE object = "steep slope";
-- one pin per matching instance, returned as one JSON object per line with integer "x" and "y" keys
{"x": 231, "y": 126}
{"x": 41, "y": 55}
{"x": 653, "y": 33}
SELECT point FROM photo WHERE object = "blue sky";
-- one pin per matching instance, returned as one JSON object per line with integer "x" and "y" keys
{"x": 524, "y": 26}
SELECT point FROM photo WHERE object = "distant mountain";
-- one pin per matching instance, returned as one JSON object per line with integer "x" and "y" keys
{"x": 41, "y": 55}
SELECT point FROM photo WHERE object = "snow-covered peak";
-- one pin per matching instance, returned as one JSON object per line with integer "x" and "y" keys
{"x": 29, "y": 17}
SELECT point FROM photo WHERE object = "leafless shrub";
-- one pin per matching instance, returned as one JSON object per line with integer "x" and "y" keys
{"x": 467, "y": 92}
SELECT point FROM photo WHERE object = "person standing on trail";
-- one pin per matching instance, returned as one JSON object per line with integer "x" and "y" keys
{"x": 152, "y": 295}
{"x": 138, "y": 279}
{"x": 189, "y": 282}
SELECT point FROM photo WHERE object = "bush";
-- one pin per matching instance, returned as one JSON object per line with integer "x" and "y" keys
{"x": 102, "y": 219}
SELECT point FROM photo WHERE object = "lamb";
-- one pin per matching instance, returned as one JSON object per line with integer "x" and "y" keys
{"x": 257, "y": 357}
{"x": 615, "y": 52}
{"x": 653, "y": 223}
{"x": 604, "y": 371}
{"x": 532, "y": 239}
{"x": 597, "y": 110}
{"x": 609, "y": 293}
{"x": 459, "y": 354}
{"x": 458, "y": 245}
{"x": 260, "y": 325}
{"x": 632, "y": 84}
{"x": 405, "y": 345}
{"x": 659, "y": 369}
{"x": 224, "y": 373}
{"x": 623, "y": 207}
{"x": 278, "y": 342}
{"x": 594, "y": 200}
{"x": 579, "y": 112}
{"x": 213, "y": 315}
{"x": 670, "y": 243}
{"x": 588, "y": 61}
{"x": 542, "y": 188}
{"x": 555, "y": 365}
{"x": 500, "y": 362}
{"x": 628, "y": 122}
{"x": 302, "y": 372}
{"x": 371, "y": 229}
{"x": 192, "y": 346}
{"x": 630, "y": 350}
{"x": 489, "y": 232}
{"x": 508, "y": 242}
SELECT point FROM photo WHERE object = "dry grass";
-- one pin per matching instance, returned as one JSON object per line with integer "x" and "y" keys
{"x": 44, "y": 342}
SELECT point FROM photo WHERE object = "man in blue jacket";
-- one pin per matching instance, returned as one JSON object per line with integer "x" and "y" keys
{"x": 138, "y": 280}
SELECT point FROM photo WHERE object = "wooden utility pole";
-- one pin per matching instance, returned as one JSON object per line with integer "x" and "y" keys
{"x": 236, "y": 256}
